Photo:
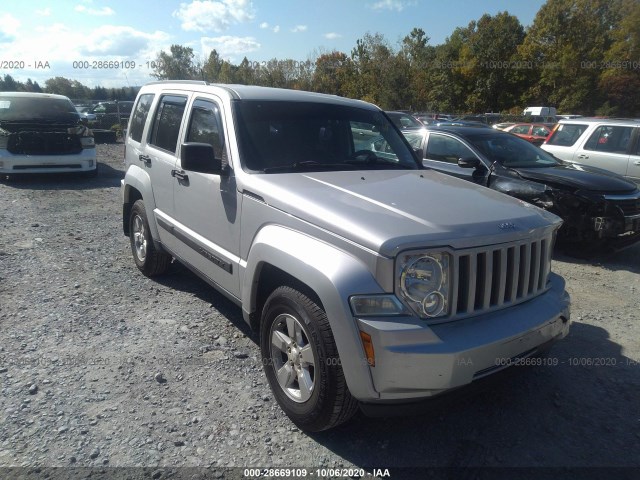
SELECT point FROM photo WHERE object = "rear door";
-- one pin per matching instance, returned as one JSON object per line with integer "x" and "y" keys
{"x": 159, "y": 159}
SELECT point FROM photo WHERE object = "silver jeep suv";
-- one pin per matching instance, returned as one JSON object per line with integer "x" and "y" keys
{"x": 371, "y": 280}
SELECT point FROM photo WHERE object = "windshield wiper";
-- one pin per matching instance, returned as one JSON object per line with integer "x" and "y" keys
{"x": 378, "y": 162}
{"x": 307, "y": 165}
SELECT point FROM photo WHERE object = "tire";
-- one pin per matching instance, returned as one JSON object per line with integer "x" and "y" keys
{"x": 149, "y": 261}
{"x": 301, "y": 362}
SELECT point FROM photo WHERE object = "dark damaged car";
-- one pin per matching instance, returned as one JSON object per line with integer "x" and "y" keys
{"x": 42, "y": 133}
{"x": 600, "y": 209}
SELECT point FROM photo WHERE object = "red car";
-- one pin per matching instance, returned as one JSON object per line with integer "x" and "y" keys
{"x": 535, "y": 133}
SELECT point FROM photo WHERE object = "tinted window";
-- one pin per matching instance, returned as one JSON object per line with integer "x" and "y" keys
{"x": 167, "y": 122}
{"x": 276, "y": 136}
{"x": 511, "y": 151}
{"x": 447, "y": 149}
{"x": 612, "y": 139}
{"x": 205, "y": 126}
{"x": 566, "y": 135}
{"x": 37, "y": 108}
{"x": 139, "y": 117}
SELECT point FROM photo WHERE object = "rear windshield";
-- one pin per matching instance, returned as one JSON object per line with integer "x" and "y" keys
{"x": 48, "y": 109}
{"x": 566, "y": 134}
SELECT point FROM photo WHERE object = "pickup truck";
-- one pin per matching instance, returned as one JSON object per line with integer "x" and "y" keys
{"x": 371, "y": 280}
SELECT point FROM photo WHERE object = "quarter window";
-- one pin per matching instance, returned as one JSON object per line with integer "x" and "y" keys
{"x": 139, "y": 117}
{"x": 167, "y": 122}
{"x": 612, "y": 139}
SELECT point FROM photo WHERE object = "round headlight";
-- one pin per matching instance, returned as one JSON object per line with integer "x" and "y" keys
{"x": 433, "y": 304}
{"x": 422, "y": 277}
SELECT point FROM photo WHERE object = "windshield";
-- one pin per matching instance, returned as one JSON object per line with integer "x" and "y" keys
{"x": 26, "y": 109}
{"x": 511, "y": 151}
{"x": 403, "y": 120}
{"x": 276, "y": 137}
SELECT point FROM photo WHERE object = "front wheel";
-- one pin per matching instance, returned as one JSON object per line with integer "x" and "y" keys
{"x": 301, "y": 361}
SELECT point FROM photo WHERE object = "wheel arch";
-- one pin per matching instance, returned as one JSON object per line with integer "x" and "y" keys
{"x": 323, "y": 272}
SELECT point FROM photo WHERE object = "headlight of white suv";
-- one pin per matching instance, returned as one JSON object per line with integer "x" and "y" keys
{"x": 424, "y": 282}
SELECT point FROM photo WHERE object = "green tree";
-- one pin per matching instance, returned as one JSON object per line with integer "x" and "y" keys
{"x": 488, "y": 62}
{"x": 419, "y": 57}
{"x": 566, "y": 39}
{"x": 620, "y": 77}
{"x": 178, "y": 64}
{"x": 330, "y": 73}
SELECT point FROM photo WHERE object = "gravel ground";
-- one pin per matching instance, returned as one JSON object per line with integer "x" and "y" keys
{"x": 100, "y": 366}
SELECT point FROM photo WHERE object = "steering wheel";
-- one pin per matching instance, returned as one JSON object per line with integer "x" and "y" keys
{"x": 369, "y": 156}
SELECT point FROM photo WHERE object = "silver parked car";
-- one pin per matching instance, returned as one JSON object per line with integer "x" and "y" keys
{"x": 604, "y": 143}
{"x": 371, "y": 280}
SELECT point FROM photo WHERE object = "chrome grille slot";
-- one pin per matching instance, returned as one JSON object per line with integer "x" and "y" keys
{"x": 493, "y": 277}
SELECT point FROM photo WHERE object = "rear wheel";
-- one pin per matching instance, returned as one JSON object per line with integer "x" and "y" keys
{"x": 301, "y": 361}
{"x": 150, "y": 261}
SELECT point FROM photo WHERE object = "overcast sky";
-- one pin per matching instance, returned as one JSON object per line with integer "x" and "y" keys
{"x": 44, "y": 39}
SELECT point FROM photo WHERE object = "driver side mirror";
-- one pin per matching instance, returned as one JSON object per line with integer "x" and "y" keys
{"x": 470, "y": 162}
{"x": 200, "y": 157}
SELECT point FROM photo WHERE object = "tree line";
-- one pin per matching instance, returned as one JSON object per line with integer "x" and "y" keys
{"x": 581, "y": 56}
{"x": 70, "y": 88}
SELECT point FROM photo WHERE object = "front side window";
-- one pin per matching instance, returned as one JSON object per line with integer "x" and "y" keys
{"x": 447, "y": 149}
{"x": 521, "y": 129}
{"x": 166, "y": 127}
{"x": 205, "y": 126}
{"x": 139, "y": 117}
{"x": 280, "y": 136}
{"x": 566, "y": 135}
{"x": 612, "y": 139}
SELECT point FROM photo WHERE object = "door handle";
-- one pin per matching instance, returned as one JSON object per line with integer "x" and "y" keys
{"x": 145, "y": 158}
{"x": 180, "y": 175}
{"x": 583, "y": 156}
{"x": 636, "y": 163}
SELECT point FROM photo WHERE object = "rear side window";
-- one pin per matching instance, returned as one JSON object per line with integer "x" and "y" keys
{"x": 566, "y": 135}
{"x": 139, "y": 117}
{"x": 612, "y": 139}
{"x": 166, "y": 125}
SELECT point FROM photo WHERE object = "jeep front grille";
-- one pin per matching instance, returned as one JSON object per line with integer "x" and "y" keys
{"x": 493, "y": 277}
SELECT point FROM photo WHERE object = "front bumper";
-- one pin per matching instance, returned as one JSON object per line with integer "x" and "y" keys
{"x": 414, "y": 360}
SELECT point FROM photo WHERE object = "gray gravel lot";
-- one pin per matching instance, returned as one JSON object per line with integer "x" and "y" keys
{"x": 102, "y": 366}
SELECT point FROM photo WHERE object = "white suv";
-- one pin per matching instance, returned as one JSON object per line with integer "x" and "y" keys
{"x": 42, "y": 133}
{"x": 605, "y": 143}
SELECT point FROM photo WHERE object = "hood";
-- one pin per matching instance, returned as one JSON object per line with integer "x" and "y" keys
{"x": 579, "y": 177}
{"x": 390, "y": 210}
